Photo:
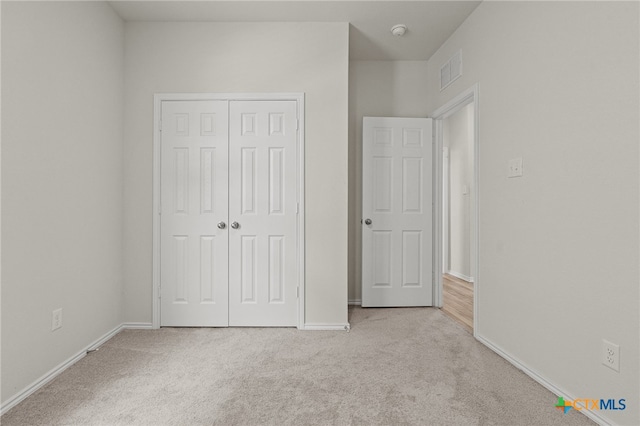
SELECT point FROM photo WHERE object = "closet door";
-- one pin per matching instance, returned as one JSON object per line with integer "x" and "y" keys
{"x": 194, "y": 209}
{"x": 262, "y": 213}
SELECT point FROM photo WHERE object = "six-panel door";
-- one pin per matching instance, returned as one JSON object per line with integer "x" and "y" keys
{"x": 262, "y": 201}
{"x": 397, "y": 201}
{"x": 229, "y": 213}
{"x": 194, "y": 198}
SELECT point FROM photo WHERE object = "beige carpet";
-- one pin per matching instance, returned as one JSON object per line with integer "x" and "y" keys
{"x": 396, "y": 367}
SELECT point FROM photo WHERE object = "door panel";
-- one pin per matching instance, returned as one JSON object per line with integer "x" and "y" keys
{"x": 194, "y": 194}
{"x": 397, "y": 198}
{"x": 263, "y": 201}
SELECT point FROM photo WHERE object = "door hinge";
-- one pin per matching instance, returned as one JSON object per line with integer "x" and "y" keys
{"x": 297, "y": 208}
{"x": 297, "y": 124}
{"x": 160, "y": 125}
{"x": 297, "y": 292}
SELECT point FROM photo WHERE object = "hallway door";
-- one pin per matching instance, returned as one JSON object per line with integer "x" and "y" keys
{"x": 397, "y": 244}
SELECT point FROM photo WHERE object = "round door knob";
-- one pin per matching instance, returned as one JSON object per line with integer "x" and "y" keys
{"x": 368, "y": 222}
{"x": 235, "y": 225}
{"x": 222, "y": 225}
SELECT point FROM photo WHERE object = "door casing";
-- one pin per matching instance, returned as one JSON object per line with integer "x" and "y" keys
{"x": 157, "y": 137}
{"x": 469, "y": 96}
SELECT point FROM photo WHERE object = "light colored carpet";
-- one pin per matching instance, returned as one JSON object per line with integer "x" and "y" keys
{"x": 396, "y": 367}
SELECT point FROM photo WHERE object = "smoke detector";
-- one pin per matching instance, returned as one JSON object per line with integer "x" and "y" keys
{"x": 399, "y": 30}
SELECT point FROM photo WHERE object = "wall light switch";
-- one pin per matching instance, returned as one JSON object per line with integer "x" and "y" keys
{"x": 515, "y": 167}
{"x": 56, "y": 319}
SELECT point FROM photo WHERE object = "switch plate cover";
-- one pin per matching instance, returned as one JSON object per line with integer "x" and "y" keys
{"x": 515, "y": 167}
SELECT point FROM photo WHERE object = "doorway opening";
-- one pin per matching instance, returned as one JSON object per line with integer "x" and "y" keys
{"x": 456, "y": 208}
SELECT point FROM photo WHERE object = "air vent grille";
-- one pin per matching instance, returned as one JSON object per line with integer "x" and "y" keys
{"x": 451, "y": 70}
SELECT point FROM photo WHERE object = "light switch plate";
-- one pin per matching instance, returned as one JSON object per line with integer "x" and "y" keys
{"x": 56, "y": 319}
{"x": 515, "y": 167}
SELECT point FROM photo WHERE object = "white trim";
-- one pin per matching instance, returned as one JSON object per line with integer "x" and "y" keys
{"x": 157, "y": 137}
{"x": 355, "y": 302}
{"x": 56, "y": 371}
{"x": 540, "y": 379}
{"x": 158, "y": 98}
{"x": 469, "y": 96}
{"x": 438, "y": 213}
{"x": 461, "y": 276}
{"x": 445, "y": 206}
{"x": 39, "y": 383}
{"x": 282, "y": 96}
{"x": 300, "y": 98}
{"x": 59, "y": 369}
{"x": 329, "y": 327}
{"x": 137, "y": 326}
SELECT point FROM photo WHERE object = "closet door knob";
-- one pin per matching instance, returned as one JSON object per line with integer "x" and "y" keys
{"x": 235, "y": 225}
{"x": 222, "y": 225}
{"x": 368, "y": 222}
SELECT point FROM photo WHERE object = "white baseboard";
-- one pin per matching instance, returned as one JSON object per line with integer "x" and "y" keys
{"x": 53, "y": 373}
{"x": 355, "y": 302}
{"x": 461, "y": 276}
{"x": 56, "y": 371}
{"x": 137, "y": 326}
{"x": 331, "y": 327}
{"x": 39, "y": 383}
{"x": 556, "y": 390}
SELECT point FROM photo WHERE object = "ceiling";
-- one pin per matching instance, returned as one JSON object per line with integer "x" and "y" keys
{"x": 429, "y": 23}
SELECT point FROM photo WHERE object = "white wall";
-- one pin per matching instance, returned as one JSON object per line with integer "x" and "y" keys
{"x": 376, "y": 89}
{"x": 244, "y": 57}
{"x": 457, "y": 135}
{"x": 62, "y": 97}
{"x": 559, "y": 247}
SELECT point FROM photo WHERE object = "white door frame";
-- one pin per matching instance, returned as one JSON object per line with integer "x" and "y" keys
{"x": 444, "y": 173}
{"x": 158, "y": 98}
{"x": 469, "y": 96}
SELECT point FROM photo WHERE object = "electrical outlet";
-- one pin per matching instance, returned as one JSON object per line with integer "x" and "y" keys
{"x": 611, "y": 355}
{"x": 56, "y": 319}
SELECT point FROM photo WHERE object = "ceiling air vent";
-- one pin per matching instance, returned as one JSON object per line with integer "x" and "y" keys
{"x": 451, "y": 70}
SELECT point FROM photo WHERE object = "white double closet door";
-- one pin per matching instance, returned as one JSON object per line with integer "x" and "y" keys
{"x": 229, "y": 213}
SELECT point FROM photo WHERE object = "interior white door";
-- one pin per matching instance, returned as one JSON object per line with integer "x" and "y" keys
{"x": 194, "y": 197}
{"x": 263, "y": 213}
{"x": 397, "y": 212}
